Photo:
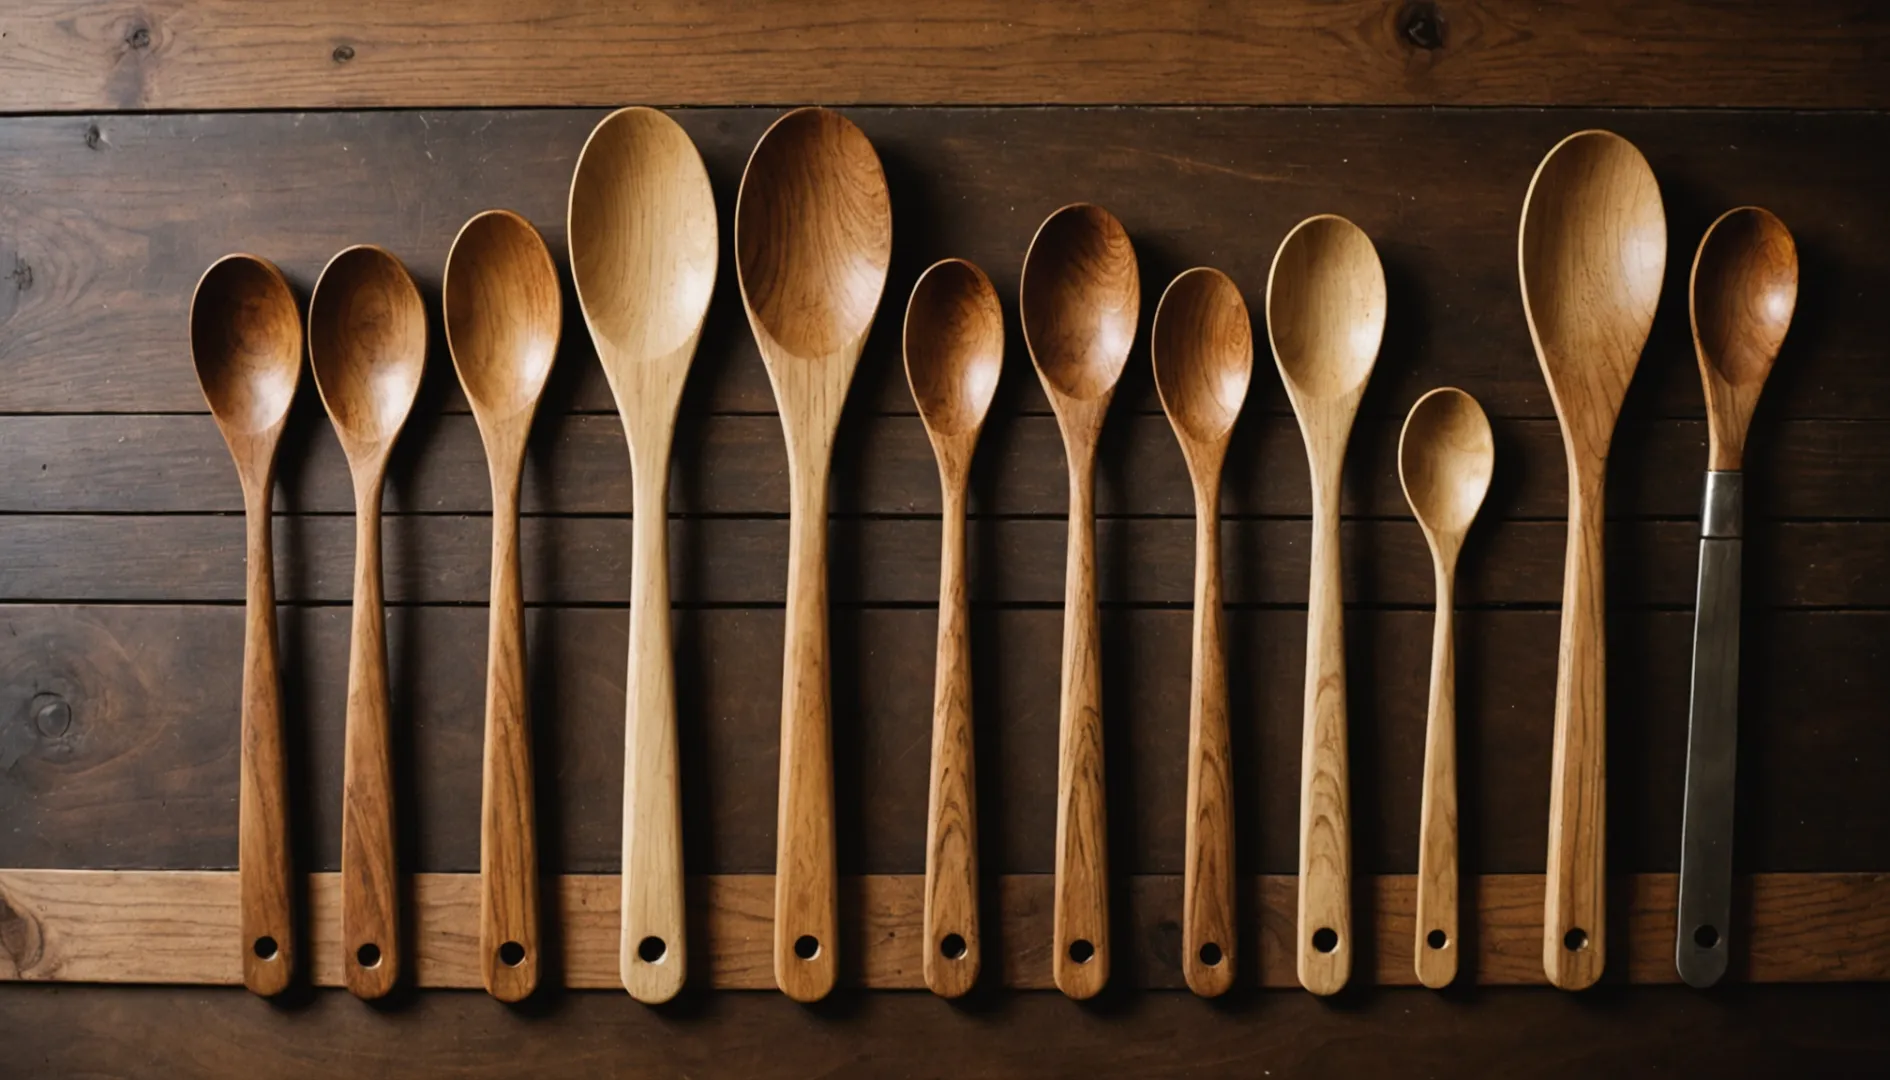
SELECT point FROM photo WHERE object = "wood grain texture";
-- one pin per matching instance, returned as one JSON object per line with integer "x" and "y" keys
{"x": 221, "y": 54}
{"x": 1741, "y": 295}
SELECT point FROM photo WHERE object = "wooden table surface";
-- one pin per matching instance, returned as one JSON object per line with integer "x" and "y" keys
{"x": 141, "y": 141}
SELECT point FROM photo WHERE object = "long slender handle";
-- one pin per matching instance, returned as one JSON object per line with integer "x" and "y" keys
{"x": 653, "y": 953}
{"x": 1080, "y": 962}
{"x": 1706, "y": 831}
{"x": 1574, "y": 938}
{"x": 806, "y": 915}
{"x": 1325, "y": 844}
{"x": 369, "y": 906}
{"x": 1207, "y": 912}
{"x": 508, "y": 856}
{"x": 952, "y": 950}
{"x": 262, "y": 824}
{"x": 1437, "y": 904}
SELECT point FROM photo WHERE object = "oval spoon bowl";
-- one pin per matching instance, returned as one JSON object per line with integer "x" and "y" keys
{"x": 246, "y": 342}
{"x": 954, "y": 346}
{"x": 1080, "y": 297}
{"x": 1326, "y": 307}
{"x": 1446, "y": 456}
{"x": 504, "y": 311}
{"x": 367, "y": 344}
{"x": 1202, "y": 349}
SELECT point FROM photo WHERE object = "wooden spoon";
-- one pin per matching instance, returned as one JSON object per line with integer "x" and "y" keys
{"x": 643, "y": 253}
{"x": 246, "y": 339}
{"x": 813, "y": 239}
{"x": 1446, "y": 455}
{"x": 1325, "y": 317}
{"x": 1592, "y": 251}
{"x": 1745, "y": 286}
{"x": 504, "y": 309}
{"x": 1081, "y": 295}
{"x": 1202, "y": 346}
{"x": 368, "y": 345}
{"x": 954, "y": 344}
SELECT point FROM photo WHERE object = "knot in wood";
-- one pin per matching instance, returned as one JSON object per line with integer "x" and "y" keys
{"x": 1422, "y": 26}
{"x": 343, "y": 53}
{"x": 139, "y": 38}
{"x": 52, "y": 715}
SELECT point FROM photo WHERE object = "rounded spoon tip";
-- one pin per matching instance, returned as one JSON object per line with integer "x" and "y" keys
{"x": 1326, "y": 307}
{"x": 1744, "y": 289}
{"x": 1202, "y": 350}
{"x": 246, "y": 342}
{"x": 504, "y": 309}
{"x": 1080, "y": 298}
{"x": 367, "y": 344}
{"x": 1446, "y": 456}
{"x": 954, "y": 346}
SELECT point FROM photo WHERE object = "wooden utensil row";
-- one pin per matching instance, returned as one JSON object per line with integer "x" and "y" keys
{"x": 813, "y": 244}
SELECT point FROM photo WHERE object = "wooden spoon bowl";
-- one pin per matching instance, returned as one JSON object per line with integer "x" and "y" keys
{"x": 1202, "y": 350}
{"x": 954, "y": 345}
{"x": 504, "y": 313}
{"x": 1081, "y": 296}
{"x": 1744, "y": 291}
{"x": 246, "y": 340}
{"x": 1326, "y": 308}
{"x": 1446, "y": 456}
{"x": 368, "y": 345}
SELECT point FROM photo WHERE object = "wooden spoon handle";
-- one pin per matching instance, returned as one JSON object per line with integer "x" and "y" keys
{"x": 1207, "y": 913}
{"x": 508, "y": 859}
{"x": 952, "y": 955}
{"x": 806, "y": 916}
{"x": 1573, "y": 942}
{"x": 1436, "y": 945}
{"x": 1325, "y": 845}
{"x": 369, "y": 907}
{"x": 653, "y": 952}
{"x": 1080, "y": 962}
{"x": 262, "y": 822}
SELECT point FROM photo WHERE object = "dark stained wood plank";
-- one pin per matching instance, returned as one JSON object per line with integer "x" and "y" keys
{"x": 108, "y": 221}
{"x": 735, "y": 464}
{"x": 223, "y": 54}
{"x": 118, "y": 736}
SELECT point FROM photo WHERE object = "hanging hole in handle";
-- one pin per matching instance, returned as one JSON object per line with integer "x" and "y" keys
{"x": 1575, "y": 940}
{"x": 807, "y": 946}
{"x": 652, "y": 950}
{"x": 952, "y": 947}
{"x": 1705, "y": 936}
{"x": 511, "y": 954}
{"x": 1325, "y": 939}
{"x": 1437, "y": 939}
{"x": 1211, "y": 954}
{"x": 266, "y": 948}
{"x": 1082, "y": 950}
{"x": 368, "y": 956}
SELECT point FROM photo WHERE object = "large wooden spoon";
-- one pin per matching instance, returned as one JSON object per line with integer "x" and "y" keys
{"x": 1592, "y": 251}
{"x": 246, "y": 340}
{"x": 1081, "y": 295}
{"x": 1325, "y": 317}
{"x": 954, "y": 343}
{"x": 367, "y": 333}
{"x": 504, "y": 309}
{"x": 1745, "y": 286}
{"x": 1202, "y": 346}
{"x": 1446, "y": 455}
{"x": 643, "y": 253}
{"x": 813, "y": 240}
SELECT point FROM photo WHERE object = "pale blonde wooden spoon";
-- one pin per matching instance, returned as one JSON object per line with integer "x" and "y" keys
{"x": 813, "y": 240}
{"x": 1325, "y": 317}
{"x": 1446, "y": 455}
{"x": 246, "y": 340}
{"x": 1591, "y": 253}
{"x": 954, "y": 344}
{"x": 643, "y": 253}
{"x": 1081, "y": 294}
{"x": 1202, "y": 347}
{"x": 504, "y": 309}
{"x": 367, "y": 342}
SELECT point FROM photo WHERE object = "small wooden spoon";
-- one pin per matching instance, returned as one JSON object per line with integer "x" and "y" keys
{"x": 813, "y": 240}
{"x": 1202, "y": 346}
{"x": 954, "y": 344}
{"x": 1592, "y": 251}
{"x": 643, "y": 253}
{"x": 367, "y": 334}
{"x": 1446, "y": 455}
{"x": 1745, "y": 286}
{"x": 504, "y": 309}
{"x": 246, "y": 339}
{"x": 1325, "y": 317}
{"x": 1081, "y": 295}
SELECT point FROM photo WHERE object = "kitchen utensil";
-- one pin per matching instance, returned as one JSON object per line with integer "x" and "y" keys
{"x": 954, "y": 344}
{"x": 643, "y": 252}
{"x": 367, "y": 334}
{"x": 1202, "y": 347}
{"x": 1592, "y": 250}
{"x": 1325, "y": 317}
{"x": 504, "y": 308}
{"x": 1081, "y": 294}
{"x": 246, "y": 341}
{"x": 813, "y": 240}
{"x": 1744, "y": 287}
{"x": 1446, "y": 455}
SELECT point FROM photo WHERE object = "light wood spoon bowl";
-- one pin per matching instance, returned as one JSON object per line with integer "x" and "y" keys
{"x": 1202, "y": 347}
{"x": 368, "y": 347}
{"x": 1592, "y": 251}
{"x": 644, "y": 255}
{"x": 246, "y": 340}
{"x": 1081, "y": 296}
{"x": 954, "y": 345}
{"x": 813, "y": 240}
{"x": 1446, "y": 456}
{"x": 1325, "y": 318}
{"x": 504, "y": 310}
